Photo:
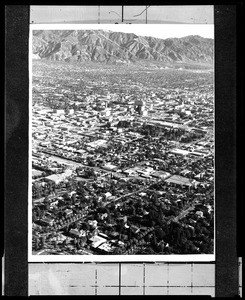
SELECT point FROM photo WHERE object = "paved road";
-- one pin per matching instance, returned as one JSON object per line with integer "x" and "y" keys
{"x": 181, "y": 215}
{"x": 184, "y": 213}
{"x": 70, "y": 161}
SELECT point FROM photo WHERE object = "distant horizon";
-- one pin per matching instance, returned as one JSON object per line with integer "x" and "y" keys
{"x": 161, "y": 31}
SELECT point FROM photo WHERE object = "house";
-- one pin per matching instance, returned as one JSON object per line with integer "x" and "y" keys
{"x": 75, "y": 233}
{"x": 55, "y": 178}
{"x": 105, "y": 248}
{"x": 93, "y": 223}
{"x": 185, "y": 172}
{"x": 109, "y": 167}
{"x": 68, "y": 212}
{"x": 60, "y": 111}
{"x": 54, "y": 203}
{"x": 130, "y": 172}
{"x": 161, "y": 174}
{"x": 97, "y": 241}
{"x": 179, "y": 152}
{"x": 36, "y": 173}
{"x": 108, "y": 194}
{"x": 58, "y": 178}
{"x": 47, "y": 221}
{"x": 134, "y": 229}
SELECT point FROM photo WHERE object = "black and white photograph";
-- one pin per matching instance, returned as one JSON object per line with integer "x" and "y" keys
{"x": 121, "y": 165}
{"x": 122, "y": 142}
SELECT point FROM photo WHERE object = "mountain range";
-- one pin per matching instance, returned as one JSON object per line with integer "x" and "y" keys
{"x": 109, "y": 46}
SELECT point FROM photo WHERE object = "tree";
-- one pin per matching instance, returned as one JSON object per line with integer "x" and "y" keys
{"x": 73, "y": 197}
{"x": 65, "y": 242}
{"x": 133, "y": 210}
{"x": 42, "y": 242}
{"x": 161, "y": 246}
{"x": 159, "y": 233}
{"x": 150, "y": 251}
{"x": 118, "y": 251}
{"x": 160, "y": 217}
{"x": 36, "y": 243}
{"x": 154, "y": 239}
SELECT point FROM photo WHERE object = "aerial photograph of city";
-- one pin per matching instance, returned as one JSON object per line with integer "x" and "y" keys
{"x": 122, "y": 142}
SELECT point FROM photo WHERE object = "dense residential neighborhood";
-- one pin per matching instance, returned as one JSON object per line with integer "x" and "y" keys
{"x": 122, "y": 159}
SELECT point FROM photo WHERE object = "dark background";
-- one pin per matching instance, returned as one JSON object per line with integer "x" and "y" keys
{"x": 228, "y": 109}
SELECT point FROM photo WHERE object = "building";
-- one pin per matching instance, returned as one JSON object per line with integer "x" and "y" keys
{"x": 139, "y": 106}
{"x": 180, "y": 180}
{"x": 55, "y": 178}
{"x": 97, "y": 143}
{"x": 105, "y": 248}
{"x": 144, "y": 113}
{"x": 36, "y": 173}
{"x": 75, "y": 233}
{"x": 58, "y": 178}
{"x": 161, "y": 174}
{"x": 68, "y": 212}
{"x": 97, "y": 241}
{"x": 47, "y": 221}
{"x": 109, "y": 167}
{"x": 179, "y": 152}
{"x": 60, "y": 111}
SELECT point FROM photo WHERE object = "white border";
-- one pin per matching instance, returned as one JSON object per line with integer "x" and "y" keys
{"x": 95, "y": 258}
{"x": 214, "y": 208}
{"x": 30, "y": 152}
{"x": 123, "y": 258}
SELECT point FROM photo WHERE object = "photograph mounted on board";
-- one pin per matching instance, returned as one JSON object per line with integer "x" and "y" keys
{"x": 121, "y": 142}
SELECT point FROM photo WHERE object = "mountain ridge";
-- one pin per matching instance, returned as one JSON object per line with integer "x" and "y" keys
{"x": 110, "y": 46}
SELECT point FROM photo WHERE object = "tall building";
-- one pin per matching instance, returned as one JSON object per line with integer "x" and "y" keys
{"x": 139, "y": 106}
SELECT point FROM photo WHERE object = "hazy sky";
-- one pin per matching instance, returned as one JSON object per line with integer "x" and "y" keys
{"x": 156, "y": 30}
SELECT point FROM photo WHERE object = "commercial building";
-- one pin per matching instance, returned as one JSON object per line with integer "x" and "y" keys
{"x": 180, "y": 180}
